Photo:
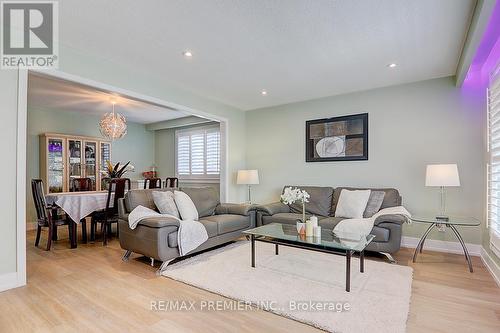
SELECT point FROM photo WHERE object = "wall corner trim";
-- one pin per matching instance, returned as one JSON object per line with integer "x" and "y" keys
{"x": 11, "y": 280}
{"x": 491, "y": 265}
{"x": 442, "y": 246}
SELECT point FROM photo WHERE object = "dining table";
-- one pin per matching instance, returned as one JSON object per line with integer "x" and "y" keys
{"x": 77, "y": 206}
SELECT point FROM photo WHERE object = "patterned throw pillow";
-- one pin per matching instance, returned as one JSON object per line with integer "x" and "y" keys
{"x": 165, "y": 202}
{"x": 374, "y": 203}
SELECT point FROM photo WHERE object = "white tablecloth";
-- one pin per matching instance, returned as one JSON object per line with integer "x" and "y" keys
{"x": 79, "y": 204}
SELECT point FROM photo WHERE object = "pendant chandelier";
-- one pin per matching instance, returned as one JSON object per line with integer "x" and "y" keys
{"x": 113, "y": 125}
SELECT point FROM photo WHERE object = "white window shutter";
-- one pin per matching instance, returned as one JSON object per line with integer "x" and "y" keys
{"x": 494, "y": 162}
{"x": 198, "y": 153}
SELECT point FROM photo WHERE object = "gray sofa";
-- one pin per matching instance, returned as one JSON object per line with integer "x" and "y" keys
{"x": 157, "y": 237}
{"x": 323, "y": 202}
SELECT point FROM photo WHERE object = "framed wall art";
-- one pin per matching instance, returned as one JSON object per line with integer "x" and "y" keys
{"x": 337, "y": 139}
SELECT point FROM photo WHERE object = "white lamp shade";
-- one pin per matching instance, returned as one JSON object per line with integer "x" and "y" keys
{"x": 442, "y": 175}
{"x": 247, "y": 177}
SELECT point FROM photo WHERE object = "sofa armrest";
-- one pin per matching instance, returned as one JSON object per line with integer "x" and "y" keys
{"x": 236, "y": 209}
{"x": 122, "y": 212}
{"x": 273, "y": 208}
{"x": 391, "y": 218}
{"x": 160, "y": 222}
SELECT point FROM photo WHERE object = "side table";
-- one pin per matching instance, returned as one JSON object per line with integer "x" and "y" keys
{"x": 452, "y": 223}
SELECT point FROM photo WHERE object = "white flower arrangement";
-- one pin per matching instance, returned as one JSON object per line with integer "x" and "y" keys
{"x": 291, "y": 195}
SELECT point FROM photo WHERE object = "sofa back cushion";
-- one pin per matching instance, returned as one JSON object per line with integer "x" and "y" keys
{"x": 391, "y": 198}
{"x": 319, "y": 203}
{"x": 204, "y": 198}
{"x": 137, "y": 197}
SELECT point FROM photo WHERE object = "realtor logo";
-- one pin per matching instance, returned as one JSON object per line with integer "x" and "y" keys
{"x": 29, "y": 34}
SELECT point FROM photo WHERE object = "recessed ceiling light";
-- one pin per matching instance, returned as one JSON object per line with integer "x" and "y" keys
{"x": 392, "y": 65}
{"x": 263, "y": 93}
{"x": 187, "y": 54}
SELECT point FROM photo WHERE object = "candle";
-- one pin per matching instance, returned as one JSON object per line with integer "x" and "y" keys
{"x": 314, "y": 220}
{"x": 309, "y": 228}
{"x": 317, "y": 231}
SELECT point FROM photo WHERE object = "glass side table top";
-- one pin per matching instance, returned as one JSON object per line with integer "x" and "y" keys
{"x": 453, "y": 220}
{"x": 328, "y": 239}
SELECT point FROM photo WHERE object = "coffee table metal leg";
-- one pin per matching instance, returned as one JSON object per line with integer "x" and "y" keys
{"x": 348, "y": 256}
{"x": 467, "y": 256}
{"x": 362, "y": 261}
{"x": 252, "y": 239}
{"x": 422, "y": 240}
{"x": 276, "y": 248}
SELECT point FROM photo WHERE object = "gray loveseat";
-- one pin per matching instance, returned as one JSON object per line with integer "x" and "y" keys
{"x": 323, "y": 202}
{"x": 157, "y": 237}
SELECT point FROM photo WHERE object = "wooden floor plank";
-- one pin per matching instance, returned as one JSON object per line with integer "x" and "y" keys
{"x": 89, "y": 289}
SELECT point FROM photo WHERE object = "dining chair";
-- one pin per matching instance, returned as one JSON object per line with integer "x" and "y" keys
{"x": 172, "y": 182}
{"x": 81, "y": 184}
{"x": 116, "y": 191}
{"x": 152, "y": 183}
{"x": 47, "y": 216}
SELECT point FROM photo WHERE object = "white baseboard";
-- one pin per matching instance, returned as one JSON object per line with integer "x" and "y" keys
{"x": 491, "y": 265}
{"x": 441, "y": 246}
{"x": 10, "y": 280}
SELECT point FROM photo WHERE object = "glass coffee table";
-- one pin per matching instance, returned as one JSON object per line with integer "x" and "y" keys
{"x": 330, "y": 242}
{"x": 452, "y": 223}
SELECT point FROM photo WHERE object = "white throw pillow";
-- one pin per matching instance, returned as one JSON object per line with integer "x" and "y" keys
{"x": 164, "y": 201}
{"x": 185, "y": 205}
{"x": 352, "y": 204}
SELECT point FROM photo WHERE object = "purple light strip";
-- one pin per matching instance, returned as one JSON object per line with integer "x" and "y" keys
{"x": 488, "y": 53}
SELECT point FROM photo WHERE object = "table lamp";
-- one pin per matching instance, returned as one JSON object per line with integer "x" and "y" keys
{"x": 442, "y": 176}
{"x": 249, "y": 178}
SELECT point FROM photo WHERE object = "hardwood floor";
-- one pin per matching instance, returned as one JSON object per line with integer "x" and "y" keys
{"x": 89, "y": 289}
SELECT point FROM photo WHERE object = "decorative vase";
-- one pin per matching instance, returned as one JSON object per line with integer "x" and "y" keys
{"x": 301, "y": 228}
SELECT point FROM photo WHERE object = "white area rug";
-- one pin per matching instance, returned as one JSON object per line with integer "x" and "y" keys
{"x": 379, "y": 300}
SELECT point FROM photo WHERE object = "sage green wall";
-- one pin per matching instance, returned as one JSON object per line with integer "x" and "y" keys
{"x": 137, "y": 146}
{"x": 410, "y": 126}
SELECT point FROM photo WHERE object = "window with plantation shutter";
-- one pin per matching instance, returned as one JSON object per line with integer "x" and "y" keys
{"x": 494, "y": 161}
{"x": 198, "y": 153}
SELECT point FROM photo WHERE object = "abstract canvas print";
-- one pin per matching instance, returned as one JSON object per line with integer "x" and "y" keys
{"x": 337, "y": 139}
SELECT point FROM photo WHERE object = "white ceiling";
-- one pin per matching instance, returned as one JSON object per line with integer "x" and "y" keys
{"x": 52, "y": 94}
{"x": 294, "y": 49}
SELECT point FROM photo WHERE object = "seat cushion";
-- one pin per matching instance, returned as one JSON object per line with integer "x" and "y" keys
{"x": 330, "y": 222}
{"x": 204, "y": 198}
{"x": 211, "y": 226}
{"x": 319, "y": 203}
{"x": 228, "y": 222}
{"x": 285, "y": 218}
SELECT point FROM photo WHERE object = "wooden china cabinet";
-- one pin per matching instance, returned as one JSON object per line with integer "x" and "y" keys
{"x": 64, "y": 157}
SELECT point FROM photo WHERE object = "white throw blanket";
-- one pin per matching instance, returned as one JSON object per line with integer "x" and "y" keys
{"x": 364, "y": 226}
{"x": 190, "y": 235}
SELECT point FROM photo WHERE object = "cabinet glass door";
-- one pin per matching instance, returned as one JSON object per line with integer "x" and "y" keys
{"x": 91, "y": 162}
{"x": 103, "y": 160}
{"x": 75, "y": 161}
{"x": 55, "y": 165}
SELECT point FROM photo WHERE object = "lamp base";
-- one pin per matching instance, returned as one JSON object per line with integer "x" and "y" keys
{"x": 442, "y": 218}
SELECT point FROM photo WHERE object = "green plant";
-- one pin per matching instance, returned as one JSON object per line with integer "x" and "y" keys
{"x": 115, "y": 171}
